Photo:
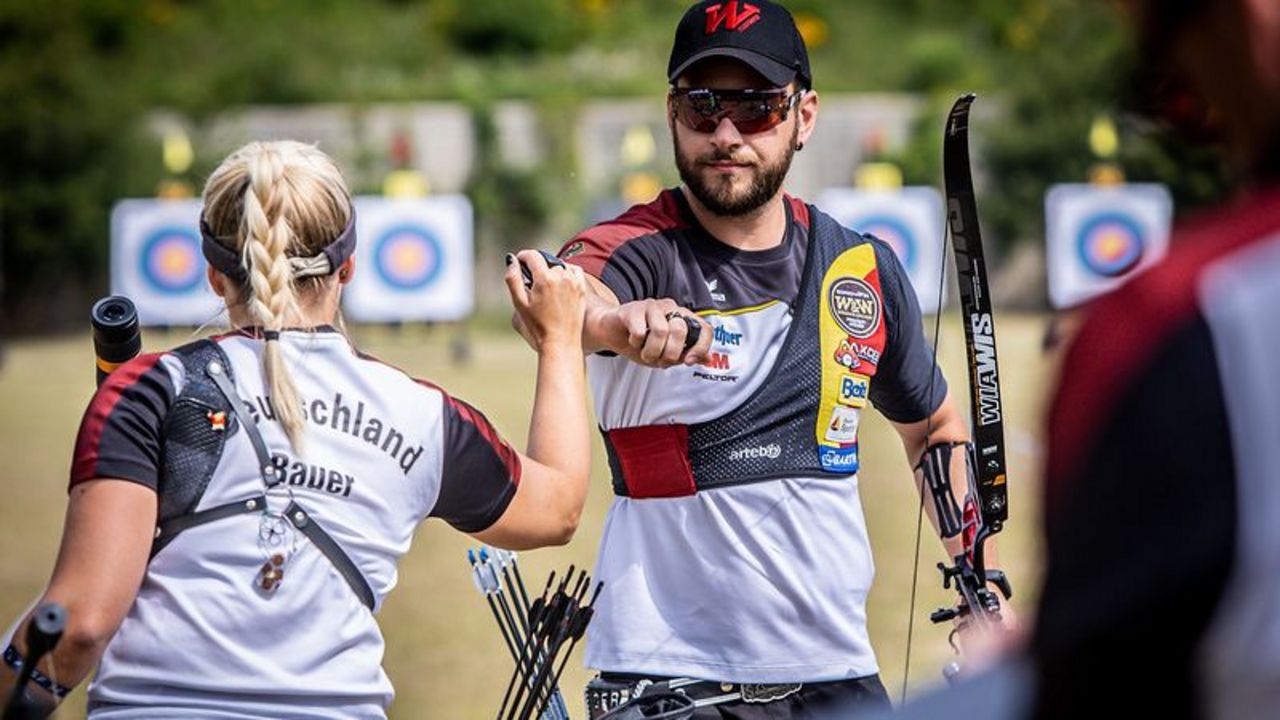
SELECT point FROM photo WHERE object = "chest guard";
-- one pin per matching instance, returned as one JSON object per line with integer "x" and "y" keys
{"x": 192, "y": 445}
{"x": 802, "y": 421}
{"x": 202, "y": 419}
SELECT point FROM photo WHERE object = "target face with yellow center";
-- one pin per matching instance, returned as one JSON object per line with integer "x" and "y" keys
{"x": 407, "y": 257}
{"x": 170, "y": 260}
{"x": 1110, "y": 244}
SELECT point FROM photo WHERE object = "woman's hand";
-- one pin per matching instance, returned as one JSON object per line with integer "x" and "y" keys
{"x": 550, "y": 310}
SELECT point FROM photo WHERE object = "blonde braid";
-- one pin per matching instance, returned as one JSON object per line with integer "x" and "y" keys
{"x": 272, "y": 299}
{"x": 278, "y": 200}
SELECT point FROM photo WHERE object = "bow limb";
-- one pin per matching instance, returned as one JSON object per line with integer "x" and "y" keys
{"x": 985, "y": 507}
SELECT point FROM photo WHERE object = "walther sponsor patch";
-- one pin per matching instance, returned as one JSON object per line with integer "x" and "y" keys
{"x": 850, "y": 322}
{"x": 855, "y": 306}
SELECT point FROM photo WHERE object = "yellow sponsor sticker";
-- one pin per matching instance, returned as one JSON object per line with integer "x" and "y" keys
{"x": 854, "y": 389}
{"x": 846, "y": 274}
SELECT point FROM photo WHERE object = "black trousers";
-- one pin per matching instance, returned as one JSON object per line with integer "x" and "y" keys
{"x": 853, "y": 698}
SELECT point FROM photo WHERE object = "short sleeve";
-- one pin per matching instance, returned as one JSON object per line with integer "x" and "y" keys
{"x": 632, "y": 269}
{"x": 121, "y": 434}
{"x": 629, "y": 253}
{"x": 480, "y": 471}
{"x": 908, "y": 385}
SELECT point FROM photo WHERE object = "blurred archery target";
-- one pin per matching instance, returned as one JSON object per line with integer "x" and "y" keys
{"x": 156, "y": 261}
{"x": 1099, "y": 236}
{"x": 909, "y": 220}
{"x": 1110, "y": 244}
{"x": 407, "y": 257}
{"x": 171, "y": 261}
{"x": 413, "y": 260}
{"x": 894, "y": 232}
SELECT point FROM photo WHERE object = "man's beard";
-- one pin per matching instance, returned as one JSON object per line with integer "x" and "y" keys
{"x": 720, "y": 196}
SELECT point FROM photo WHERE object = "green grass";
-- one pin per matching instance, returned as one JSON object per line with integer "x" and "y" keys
{"x": 443, "y": 653}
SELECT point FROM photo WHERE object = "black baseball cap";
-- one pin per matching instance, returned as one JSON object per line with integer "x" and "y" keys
{"x": 760, "y": 33}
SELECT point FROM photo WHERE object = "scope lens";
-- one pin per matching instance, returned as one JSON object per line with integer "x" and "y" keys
{"x": 114, "y": 312}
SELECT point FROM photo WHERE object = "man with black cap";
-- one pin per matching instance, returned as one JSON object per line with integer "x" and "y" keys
{"x": 735, "y": 558}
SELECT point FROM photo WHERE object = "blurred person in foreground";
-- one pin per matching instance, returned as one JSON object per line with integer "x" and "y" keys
{"x": 1162, "y": 586}
{"x": 735, "y": 558}
{"x": 1163, "y": 576}
{"x": 238, "y": 505}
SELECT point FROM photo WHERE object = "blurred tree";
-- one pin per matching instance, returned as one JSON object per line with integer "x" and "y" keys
{"x": 492, "y": 27}
{"x": 512, "y": 205}
{"x": 70, "y": 148}
{"x": 1055, "y": 66}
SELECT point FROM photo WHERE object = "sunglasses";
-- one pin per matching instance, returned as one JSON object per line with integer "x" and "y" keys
{"x": 750, "y": 111}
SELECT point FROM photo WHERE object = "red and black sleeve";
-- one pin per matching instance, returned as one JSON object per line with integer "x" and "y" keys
{"x": 480, "y": 472}
{"x": 121, "y": 435}
{"x": 629, "y": 253}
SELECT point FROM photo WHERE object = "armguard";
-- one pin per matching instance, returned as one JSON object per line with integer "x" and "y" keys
{"x": 935, "y": 466}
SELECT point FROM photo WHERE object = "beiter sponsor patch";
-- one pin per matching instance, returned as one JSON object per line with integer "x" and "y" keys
{"x": 854, "y": 389}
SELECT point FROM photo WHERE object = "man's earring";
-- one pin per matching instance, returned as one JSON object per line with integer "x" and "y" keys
{"x": 799, "y": 146}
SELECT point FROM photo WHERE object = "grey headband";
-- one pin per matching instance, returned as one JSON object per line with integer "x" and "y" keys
{"x": 227, "y": 261}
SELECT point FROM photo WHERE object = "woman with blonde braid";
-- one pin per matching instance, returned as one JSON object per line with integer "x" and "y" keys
{"x": 238, "y": 505}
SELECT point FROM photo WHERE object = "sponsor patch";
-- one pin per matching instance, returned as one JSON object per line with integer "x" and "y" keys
{"x": 866, "y": 352}
{"x": 716, "y": 361}
{"x": 837, "y": 459}
{"x": 715, "y": 378}
{"x": 842, "y": 428}
{"x": 851, "y": 354}
{"x": 772, "y": 451}
{"x": 846, "y": 357}
{"x": 855, "y": 307}
{"x": 576, "y": 248}
{"x": 724, "y": 337}
{"x": 854, "y": 389}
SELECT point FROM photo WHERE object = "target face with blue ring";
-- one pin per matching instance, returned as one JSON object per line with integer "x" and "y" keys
{"x": 895, "y": 233}
{"x": 171, "y": 262}
{"x": 407, "y": 257}
{"x": 1110, "y": 244}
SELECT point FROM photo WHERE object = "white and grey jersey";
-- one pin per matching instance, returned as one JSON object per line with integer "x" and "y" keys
{"x": 734, "y": 583}
{"x": 381, "y": 452}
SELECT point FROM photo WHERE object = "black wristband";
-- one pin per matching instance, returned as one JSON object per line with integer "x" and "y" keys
{"x": 13, "y": 659}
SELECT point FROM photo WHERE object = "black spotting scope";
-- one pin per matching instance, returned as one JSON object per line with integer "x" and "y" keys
{"x": 116, "y": 337}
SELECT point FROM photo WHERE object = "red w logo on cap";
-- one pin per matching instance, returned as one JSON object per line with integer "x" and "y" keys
{"x": 731, "y": 16}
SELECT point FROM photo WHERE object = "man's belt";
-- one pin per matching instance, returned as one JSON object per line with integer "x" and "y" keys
{"x": 606, "y": 694}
